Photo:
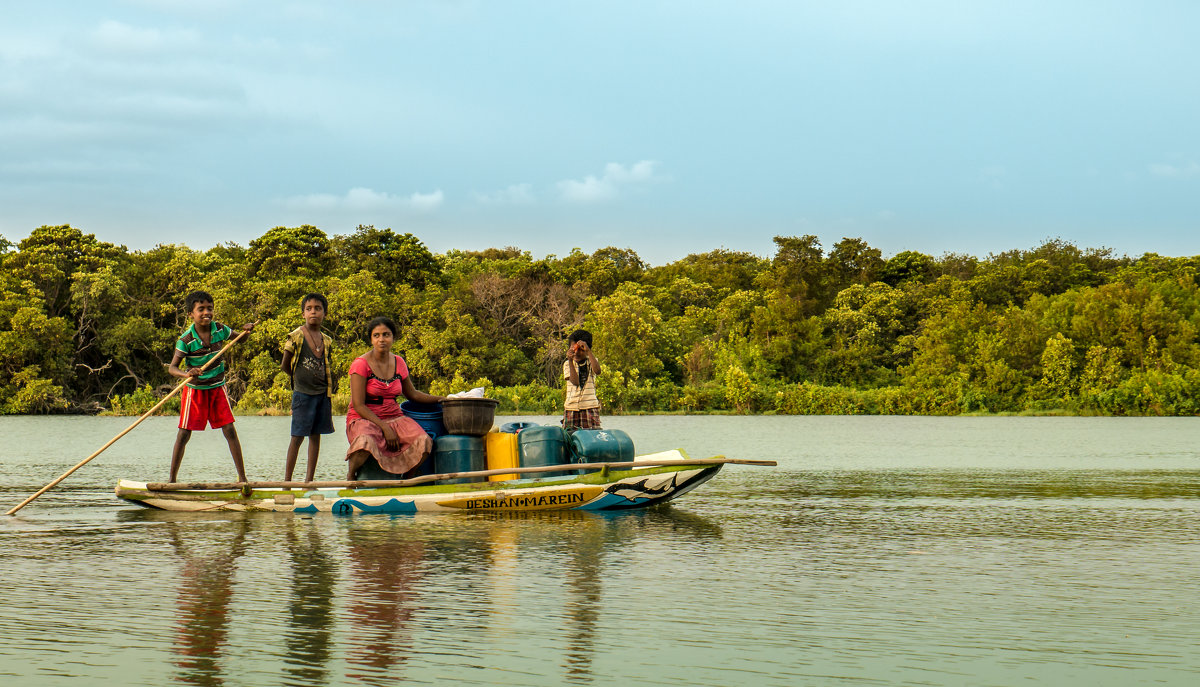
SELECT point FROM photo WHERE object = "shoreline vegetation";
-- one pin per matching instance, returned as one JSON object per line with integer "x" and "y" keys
{"x": 89, "y": 327}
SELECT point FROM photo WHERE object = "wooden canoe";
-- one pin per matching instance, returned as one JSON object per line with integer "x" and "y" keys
{"x": 647, "y": 481}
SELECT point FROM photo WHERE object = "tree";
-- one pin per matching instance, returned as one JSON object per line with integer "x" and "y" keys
{"x": 304, "y": 251}
{"x": 604, "y": 270}
{"x": 865, "y": 324}
{"x": 852, "y": 261}
{"x": 724, "y": 270}
{"x": 907, "y": 266}
{"x": 626, "y": 328}
{"x": 393, "y": 258}
{"x": 799, "y": 275}
{"x": 1058, "y": 364}
{"x": 50, "y": 257}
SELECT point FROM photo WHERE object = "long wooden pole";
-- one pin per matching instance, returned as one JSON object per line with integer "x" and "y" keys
{"x": 128, "y": 429}
{"x": 382, "y": 483}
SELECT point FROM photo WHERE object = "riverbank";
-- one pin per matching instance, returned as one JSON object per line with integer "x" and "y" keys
{"x": 1155, "y": 398}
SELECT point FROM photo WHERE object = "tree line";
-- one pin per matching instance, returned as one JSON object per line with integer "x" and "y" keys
{"x": 89, "y": 326}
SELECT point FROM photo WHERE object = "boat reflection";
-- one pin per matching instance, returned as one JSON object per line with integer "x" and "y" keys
{"x": 589, "y": 540}
{"x": 585, "y": 567}
{"x": 205, "y": 590}
{"x": 386, "y": 566}
{"x": 311, "y": 612}
{"x": 375, "y": 598}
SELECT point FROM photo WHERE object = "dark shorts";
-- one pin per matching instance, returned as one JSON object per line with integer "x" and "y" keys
{"x": 582, "y": 419}
{"x": 311, "y": 414}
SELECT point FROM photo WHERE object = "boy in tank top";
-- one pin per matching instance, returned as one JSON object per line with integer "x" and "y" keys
{"x": 306, "y": 356}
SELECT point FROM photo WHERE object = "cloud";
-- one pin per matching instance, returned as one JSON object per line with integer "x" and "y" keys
{"x": 367, "y": 199}
{"x": 116, "y": 38}
{"x": 1162, "y": 169}
{"x": 593, "y": 189}
{"x": 426, "y": 202}
{"x": 516, "y": 194}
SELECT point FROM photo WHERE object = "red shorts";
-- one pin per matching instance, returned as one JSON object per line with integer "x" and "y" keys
{"x": 202, "y": 407}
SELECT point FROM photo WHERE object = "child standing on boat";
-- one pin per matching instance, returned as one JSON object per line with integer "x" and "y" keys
{"x": 306, "y": 355}
{"x": 204, "y": 401}
{"x": 581, "y": 408}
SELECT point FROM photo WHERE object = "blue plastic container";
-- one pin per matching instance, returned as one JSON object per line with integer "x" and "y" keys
{"x": 543, "y": 445}
{"x": 459, "y": 453}
{"x": 516, "y": 427}
{"x": 428, "y": 415}
{"x": 601, "y": 446}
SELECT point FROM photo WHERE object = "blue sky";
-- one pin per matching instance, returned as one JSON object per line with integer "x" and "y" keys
{"x": 666, "y": 127}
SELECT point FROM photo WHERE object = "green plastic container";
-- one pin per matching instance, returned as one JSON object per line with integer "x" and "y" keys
{"x": 458, "y": 453}
{"x": 543, "y": 445}
{"x": 601, "y": 446}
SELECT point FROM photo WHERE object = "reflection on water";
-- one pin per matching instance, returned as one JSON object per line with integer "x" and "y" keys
{"x": 987, "y": 484}
{"x": 311, "y": 618}
{"x": 385, "y": 569}
{"x": 584, "y": 566}
{"x": 205, "y": 591}
{"x": 414, "y": 587}
{"x": 972, "y": 563}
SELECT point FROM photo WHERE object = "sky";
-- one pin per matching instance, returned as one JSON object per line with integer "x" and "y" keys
{"x": 667, "y": 127}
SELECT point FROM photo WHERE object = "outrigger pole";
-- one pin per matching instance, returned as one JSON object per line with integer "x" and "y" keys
{"x": 425, "y": 479}
{"x": 128, "y": 429}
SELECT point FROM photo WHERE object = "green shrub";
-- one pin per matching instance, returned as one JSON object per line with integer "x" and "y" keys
{"x": 140, "y": 400}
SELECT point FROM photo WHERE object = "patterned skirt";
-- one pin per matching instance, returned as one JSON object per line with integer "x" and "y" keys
{"x": 415, "y": 443}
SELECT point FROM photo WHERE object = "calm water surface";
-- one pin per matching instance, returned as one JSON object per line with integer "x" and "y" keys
{"x": 923, "y": 551}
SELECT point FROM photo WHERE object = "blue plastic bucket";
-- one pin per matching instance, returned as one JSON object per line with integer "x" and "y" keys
{"x": 428, "y": 415}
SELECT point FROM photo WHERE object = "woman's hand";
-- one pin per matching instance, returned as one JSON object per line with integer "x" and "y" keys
{"x": 392, "y": 439}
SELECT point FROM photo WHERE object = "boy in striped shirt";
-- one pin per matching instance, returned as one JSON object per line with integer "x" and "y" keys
{"x": 204, "y": 401}
{"x": 581, "y": 408}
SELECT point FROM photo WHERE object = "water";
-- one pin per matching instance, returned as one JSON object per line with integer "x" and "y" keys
{"x": 923, "y": 551}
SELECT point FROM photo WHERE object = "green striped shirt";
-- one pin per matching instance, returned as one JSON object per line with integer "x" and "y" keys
{"x": 196, "y": 354}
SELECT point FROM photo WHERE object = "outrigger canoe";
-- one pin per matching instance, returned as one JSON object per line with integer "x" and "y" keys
{"x": 647, "y": 481}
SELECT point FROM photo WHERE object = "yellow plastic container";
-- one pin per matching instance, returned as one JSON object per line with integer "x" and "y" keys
{"x": 502, "y": 453}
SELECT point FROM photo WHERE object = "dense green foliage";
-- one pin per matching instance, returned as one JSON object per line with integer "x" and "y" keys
{"x": 87, "y": 325}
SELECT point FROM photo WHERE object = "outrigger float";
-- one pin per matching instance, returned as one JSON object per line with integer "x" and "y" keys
{"x": 649, "y": 480}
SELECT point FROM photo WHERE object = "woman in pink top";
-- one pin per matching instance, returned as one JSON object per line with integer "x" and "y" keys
{"x": 375, "y": 425}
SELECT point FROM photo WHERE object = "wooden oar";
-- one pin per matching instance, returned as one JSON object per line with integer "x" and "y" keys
{"x": 128, "y": 429}
{"x": 382, "y": 483}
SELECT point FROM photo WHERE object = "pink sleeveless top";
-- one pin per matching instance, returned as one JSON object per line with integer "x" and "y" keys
{"x": 381, "y": 393}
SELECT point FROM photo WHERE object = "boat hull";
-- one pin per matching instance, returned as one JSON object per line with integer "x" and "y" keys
{"x": 598, "y": 491}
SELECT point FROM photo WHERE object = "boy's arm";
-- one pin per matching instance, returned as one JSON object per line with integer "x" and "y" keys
{"x": 174, "y": 369}
{"x": 572, "y": 370}
{"x": 289, "y": 349}
{"x": 333, "y": 377}
{"x": 591, "y": 357}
